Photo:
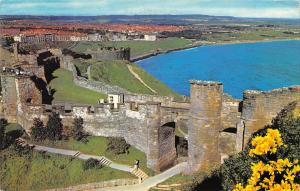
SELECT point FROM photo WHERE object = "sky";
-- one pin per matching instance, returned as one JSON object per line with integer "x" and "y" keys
{"x": 238, "y": 8}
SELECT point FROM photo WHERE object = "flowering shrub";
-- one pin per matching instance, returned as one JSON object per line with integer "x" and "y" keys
{"x": 268, "y": 143}
{"x": 274, "y": 175}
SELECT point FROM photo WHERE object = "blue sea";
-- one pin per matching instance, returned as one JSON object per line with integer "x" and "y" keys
{"x": 257, "y": 66}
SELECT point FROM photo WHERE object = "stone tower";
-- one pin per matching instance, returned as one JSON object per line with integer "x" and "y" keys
{"x": 204, "y": 125}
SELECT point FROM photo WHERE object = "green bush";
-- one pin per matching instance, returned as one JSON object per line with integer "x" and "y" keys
{"x": 237, "y": 169}
{"x": 77, "y": 130}
{"x": 38, "y": 130}
{"x": 91, "y": 164}
{"x": 54, "y": 127}
{"x": 117, "y": 145}
{"x": 3, "y": 124}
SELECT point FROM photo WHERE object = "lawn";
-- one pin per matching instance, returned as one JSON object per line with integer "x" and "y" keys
{"x": 138, "y": 47}
{"x": 38, "y": 171}
{"x": 67, "y": 91}
{"x": 98, "y": 145}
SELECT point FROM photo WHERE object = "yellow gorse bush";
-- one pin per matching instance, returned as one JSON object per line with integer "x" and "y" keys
{"x": 268, "y": 143}
{"x": 264, "y": 174}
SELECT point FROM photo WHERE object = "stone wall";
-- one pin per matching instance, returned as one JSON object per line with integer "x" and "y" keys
{"x": 230, "y": 113}
{"x": 110, "y": 53}
{"x": 204, "y": 125}
{"x": 259, "y": 108}
{"x": 66, "y": 63}
{"x": 97, "y": 185}
{"x": 9, "y": 97}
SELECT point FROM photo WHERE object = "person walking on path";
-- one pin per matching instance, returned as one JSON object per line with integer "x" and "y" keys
{"x": 137, "y": 164}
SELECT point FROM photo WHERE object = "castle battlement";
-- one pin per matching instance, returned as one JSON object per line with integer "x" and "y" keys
{"x": 205, "y": 83}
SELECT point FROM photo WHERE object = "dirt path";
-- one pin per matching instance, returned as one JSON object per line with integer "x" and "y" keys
{"x": 139, "y": 78}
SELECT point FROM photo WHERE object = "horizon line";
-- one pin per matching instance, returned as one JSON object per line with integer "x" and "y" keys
{"x": 184, "y": 14}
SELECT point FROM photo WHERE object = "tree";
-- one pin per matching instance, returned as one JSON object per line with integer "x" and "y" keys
{"x": 38, "y": 130}
{"x": 3, "y": 124}
{"x": 77, "y": 131}
{"x": 54, "y": 127}
{"x": 92, "y": 163}
{"x": 117, "y": 145}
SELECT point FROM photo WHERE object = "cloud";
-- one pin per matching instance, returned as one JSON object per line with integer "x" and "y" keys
{"x": 240, "y": 8}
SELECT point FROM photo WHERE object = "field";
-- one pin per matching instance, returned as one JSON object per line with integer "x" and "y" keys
{"x": 138, "y": 47}
{"x": 44, "y": 171}
{"x": 98, "y": 145}
{"x": 67, "y": 91}
{"x": 256, "y": 35}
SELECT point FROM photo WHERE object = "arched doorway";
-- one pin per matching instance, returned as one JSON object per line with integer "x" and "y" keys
{"x": 166, "y": 145}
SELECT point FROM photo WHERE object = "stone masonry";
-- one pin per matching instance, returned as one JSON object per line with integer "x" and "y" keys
{"x": 218, "y": 125}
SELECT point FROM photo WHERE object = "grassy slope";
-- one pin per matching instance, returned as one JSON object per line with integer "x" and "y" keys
{"x": 39, "y": 172}
{"x": 117, "y": 73}
{"x": 98, "y": 145}
{"x": 155, "y": 84}
{"x": 67, "y": 91}
{"x": 138, "y": 47}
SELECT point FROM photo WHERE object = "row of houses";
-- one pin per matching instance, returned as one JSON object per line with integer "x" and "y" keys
{"x": 75, "y": 36}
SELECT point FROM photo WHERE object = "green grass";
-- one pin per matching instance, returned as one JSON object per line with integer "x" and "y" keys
{"x": 250, "y": 36}
{"x": 67, "y": 91}
{"x": 180, "y": 179}
{"x": 46, "y": 171}
{"x": 98, "y": 145}
{"x": 13, "y": 127}
{"x": 138, "y": 47}
{"x": 117, "y": 73}
{"x": 155, "y": 84}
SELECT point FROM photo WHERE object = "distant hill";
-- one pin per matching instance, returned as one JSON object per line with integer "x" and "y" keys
{"x": 154, "y": 19}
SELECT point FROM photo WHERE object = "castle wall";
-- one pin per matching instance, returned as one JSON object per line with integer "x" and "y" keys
{"x": 230, "y": 113}
{"x": 260, "y": 107}
{"x": 104, "y": 54}
{"x": 137, "y": 127}
{"x": 66, "y": 63}
{"x": 9, "y": 97}
{"x": 204, "y": 125}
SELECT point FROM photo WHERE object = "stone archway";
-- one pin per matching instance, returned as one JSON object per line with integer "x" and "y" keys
{"x": 166, "y": 144}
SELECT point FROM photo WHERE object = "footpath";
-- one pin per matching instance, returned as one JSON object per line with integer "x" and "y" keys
{"x": 146, "y": 181}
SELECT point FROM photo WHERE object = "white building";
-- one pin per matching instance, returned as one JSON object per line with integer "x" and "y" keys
{"x": 115, "y": 99}
{"x": 150, "y": 37}
{"x": 17, "y": 39}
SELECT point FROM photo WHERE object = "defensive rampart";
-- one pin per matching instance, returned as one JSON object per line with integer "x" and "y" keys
{"x": 109, "y": 53}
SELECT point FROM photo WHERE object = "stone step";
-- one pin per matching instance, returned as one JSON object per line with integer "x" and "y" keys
{"x": 105, "y": 161}
{"x": 139, "y": 173}
{"x": 77, "y": 154}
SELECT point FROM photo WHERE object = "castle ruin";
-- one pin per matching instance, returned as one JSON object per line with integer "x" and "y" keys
{"x": 218, "y": 125}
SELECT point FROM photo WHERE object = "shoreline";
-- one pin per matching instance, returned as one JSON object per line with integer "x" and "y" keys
{"x": 203, "y": 43}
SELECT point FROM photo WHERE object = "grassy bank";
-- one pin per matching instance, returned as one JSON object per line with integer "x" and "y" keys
{"x": 138, "y": 47}
{"x": 117, "y": 73}
{"x": 44, "y": 171}
{"x": 98, "y": 145}
{"x": 67, "y": 91}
